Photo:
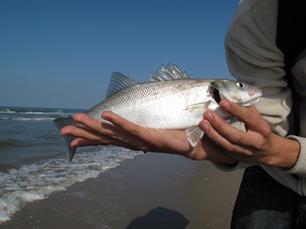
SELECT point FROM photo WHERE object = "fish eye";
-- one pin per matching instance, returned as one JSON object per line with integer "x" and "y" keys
{"x": 239, "y": 84}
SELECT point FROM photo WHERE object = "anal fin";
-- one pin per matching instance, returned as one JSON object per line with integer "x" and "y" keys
{"x": 194, "y": 135}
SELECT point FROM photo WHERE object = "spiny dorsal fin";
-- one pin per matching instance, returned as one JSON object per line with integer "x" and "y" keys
{"x": 169, "y": 72}
{"x": 118, "y": 82}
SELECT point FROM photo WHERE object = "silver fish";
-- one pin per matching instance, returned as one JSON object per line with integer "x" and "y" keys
{"x": 169, "y": 100}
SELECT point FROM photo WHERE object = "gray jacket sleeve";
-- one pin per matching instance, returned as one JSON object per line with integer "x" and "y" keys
{"x": 253, "y": 57}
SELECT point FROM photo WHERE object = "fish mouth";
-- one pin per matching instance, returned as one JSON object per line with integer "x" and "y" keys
{"x": 254, "y": 99}
{"x": 215, "y": 94}
{"x": 251, "y": 102}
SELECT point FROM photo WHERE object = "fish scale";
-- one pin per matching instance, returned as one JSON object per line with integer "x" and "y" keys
{"x": 170, "y": 111}
{"x": 153, "y": 93}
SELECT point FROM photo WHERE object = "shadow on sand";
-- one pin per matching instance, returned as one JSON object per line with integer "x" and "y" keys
{"x": 160, "y": 218}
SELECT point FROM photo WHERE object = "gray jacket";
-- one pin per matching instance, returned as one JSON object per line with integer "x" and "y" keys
{"x": 253, "y": 57}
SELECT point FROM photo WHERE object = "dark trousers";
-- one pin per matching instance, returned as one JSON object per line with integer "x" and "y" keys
{"x": 264, "y": 203}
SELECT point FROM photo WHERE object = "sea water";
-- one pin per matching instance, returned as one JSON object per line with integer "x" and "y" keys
{"x": 33, "y": 159}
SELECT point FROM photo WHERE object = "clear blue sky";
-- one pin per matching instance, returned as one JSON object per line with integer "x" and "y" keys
{"x": 61, "y": 53}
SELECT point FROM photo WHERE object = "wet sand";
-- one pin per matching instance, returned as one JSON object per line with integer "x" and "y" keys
{"x": 150, "y": 191}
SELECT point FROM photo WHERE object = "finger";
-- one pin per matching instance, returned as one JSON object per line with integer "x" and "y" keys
{"x": 107, "y": 130}
{"x": 104, "y": 133}
{"x": 153, "y": 139}
{"x": 131, "y": 128}
{"x": 249, "y": 115}
{"x": 85, "y": 134}
{"x": 95, "y": 125}
{"x": 115, "y": 132}
{"x": 100, "y": 139}
{"x": 79, "y": 142}
{"x": 88, "y": 121}
{"x": 231, "y": 133}
{"x": 222, "y": 142}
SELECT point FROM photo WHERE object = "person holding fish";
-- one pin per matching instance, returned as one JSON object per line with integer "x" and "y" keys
{"x": 272, "y": 192}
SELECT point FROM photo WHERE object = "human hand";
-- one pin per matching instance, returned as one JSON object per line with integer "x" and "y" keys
{"x": 121, "y": 132}
{"x": 257, "y": 145}
{"x": 126, "y": 134}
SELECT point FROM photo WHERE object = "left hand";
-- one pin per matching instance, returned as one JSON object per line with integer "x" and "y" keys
{"x": 124, "y": 133}
{"x": 121, "y": 132}
{"x": 257, "y": 145}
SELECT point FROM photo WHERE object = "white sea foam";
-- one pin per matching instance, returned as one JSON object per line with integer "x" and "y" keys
{"x": 46, "y": 113}
{"x": 27, "y": 119}
{"x": 7, "y": 111}
{"x": 37, "y": 181}
{"x": 4, "y": 118}
{"x": 33, "y": 119}
{"x": 32, "y": 112}
{"x": 56, "y": 112}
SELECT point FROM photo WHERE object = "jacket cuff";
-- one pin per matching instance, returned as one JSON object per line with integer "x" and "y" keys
{"x": 299, "y": 167}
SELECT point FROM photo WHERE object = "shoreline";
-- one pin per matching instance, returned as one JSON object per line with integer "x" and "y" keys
{"x": 149, "y": 191}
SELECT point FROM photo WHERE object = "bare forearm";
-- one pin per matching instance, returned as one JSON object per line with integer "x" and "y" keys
{"x": 284, "y": 152}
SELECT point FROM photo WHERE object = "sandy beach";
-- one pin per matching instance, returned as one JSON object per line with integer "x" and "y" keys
{"x": 149, "y": 191}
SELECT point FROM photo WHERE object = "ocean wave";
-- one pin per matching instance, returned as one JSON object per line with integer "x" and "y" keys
{"x": 4, "y": 118}
{"x": 26, "y": 119}
{"x": 33, "y": 119}
{"x": 38, "y": 112}
{"x": 46, "y": 113}
{"x": 35, "y": 112}
{"x": 39, "y": 180}
{"x": 7, "y": 111}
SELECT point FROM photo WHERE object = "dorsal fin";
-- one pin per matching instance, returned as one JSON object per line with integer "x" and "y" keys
{"x": 169, "y": 72}
{"x": 118, "y": 82}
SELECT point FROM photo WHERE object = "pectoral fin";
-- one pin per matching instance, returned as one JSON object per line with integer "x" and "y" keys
{"x": 194, "y": 135}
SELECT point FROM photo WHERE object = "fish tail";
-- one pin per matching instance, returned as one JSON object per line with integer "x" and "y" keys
{"x": 61, "y": 123}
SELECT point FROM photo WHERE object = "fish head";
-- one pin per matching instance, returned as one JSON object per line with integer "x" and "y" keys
{"x": 235, "y": 91}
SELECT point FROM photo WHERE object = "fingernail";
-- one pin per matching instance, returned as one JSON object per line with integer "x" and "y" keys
{"x": 225, "y": 104}
{"x": 78, "y": 117}
{"x": 64, "y": 131}
{"x": 208, "y": 115}
{"x": 106, "y": 116}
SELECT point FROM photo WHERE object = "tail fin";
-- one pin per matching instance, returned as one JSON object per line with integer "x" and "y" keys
{"x": 60, "y": 123}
